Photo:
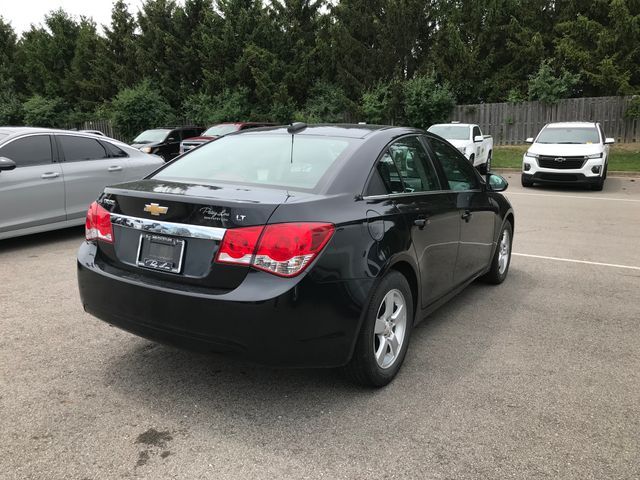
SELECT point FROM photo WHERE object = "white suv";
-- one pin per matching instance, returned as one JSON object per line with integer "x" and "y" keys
{"x": 571, "y": 152}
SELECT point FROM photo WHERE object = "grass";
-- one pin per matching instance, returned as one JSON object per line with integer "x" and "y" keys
{"x": 624, "y": 157}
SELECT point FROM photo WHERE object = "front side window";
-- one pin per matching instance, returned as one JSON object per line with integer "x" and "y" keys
{"x": 270, "y": 160}
{"x": 459, "y": 172}
{"x": 78, "y": 149}
{"x": 28, "y": 151}
{"x": 569, "y": 136}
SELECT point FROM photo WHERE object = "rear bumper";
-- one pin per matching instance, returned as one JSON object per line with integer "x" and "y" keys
{"x": 304, "y": 324}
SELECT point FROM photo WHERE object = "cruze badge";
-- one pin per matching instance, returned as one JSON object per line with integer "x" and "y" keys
{"x": 560, "y": 159}
{"x": 155, "y": 209}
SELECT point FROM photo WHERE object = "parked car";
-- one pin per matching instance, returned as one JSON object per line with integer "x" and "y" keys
{"x": 217, "y": 131}
{"x": 468, "y": 138}
{"x": 164, "y": 141}
{"x": 569, "y": 152}
{"x": 315, "y": 246}
{"x": 48, "y": 177}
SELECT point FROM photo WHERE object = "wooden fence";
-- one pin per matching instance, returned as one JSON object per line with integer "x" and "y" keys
{"x": 512, "y": 123}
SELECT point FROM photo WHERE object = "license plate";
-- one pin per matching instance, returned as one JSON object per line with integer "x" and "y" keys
{"x": 160, "y": 253}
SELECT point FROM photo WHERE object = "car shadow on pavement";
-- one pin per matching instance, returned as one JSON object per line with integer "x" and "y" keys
{"x": 171, "y": 380}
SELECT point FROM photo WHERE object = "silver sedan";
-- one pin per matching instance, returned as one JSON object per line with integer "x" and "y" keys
{"x": 48, "y": 178}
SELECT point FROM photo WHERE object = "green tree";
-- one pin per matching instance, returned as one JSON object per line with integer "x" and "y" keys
{"x": 10, "y": 106}
{"x": 548, "y": 87}
{"x": 44, "y": 112}
{"x": 84, "y": 80}
{"x": 227, "y": 106}
{"x": 159, "y": 48}
{"x": 118, "y": 63}
{"x": 383, "y": 103}
{"x": 139, "y": 108}
{"x": 427, "y": 102}
{"x": 327, "y": 103}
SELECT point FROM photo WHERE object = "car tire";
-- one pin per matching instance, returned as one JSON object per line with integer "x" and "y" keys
{"x": 526, "y": 182}
{"x": 485, "y": 168}
{"x": 388, "y": 316}
{"x": 502, "y": 257}
{"x": 598, "y": 186}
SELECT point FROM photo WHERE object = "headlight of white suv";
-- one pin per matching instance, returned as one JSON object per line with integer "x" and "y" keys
{"x": 594, "y": 155}
{"x": 463, "y": 150}
{"x": 531, "y": 155}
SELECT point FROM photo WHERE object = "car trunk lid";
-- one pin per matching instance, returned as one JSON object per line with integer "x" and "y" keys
{"x": 171, "y": 232}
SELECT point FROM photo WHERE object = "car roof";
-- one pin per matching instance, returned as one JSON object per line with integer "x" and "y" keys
{"x": 571, "y": 125}
{"x": 347, "y": 130}
{"x": 13, "y": 132}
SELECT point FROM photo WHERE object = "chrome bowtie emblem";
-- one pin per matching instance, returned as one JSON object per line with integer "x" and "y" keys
{"x": 560, "y": 159}
{"x": 155, "y": 209}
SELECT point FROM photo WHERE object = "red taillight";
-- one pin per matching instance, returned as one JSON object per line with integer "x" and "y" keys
{"x": 238, "y": 245}
{"x": 284, "y": 249}
{"x": 98, "y": 224}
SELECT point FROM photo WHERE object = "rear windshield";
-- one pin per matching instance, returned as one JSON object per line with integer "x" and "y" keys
{"x": 569, "y": 135}
{"x": 269, "y": 160}
{"x": 451, "y": 132}
{"x": 152, "y": 136}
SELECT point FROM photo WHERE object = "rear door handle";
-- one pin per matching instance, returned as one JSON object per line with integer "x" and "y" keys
{"x": 115, "y": 168}
{"x": 466, "y": 216}
{"x": 50, "y": 175}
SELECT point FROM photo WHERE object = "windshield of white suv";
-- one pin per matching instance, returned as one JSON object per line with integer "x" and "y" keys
{"x": 152, "y": 136}
{"x": 218, "y": 130}
{"x": 577, "y": 136}
{"x": 451, "y": 132}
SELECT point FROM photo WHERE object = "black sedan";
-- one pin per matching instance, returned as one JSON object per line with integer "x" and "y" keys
{"x": 305, "y": 246}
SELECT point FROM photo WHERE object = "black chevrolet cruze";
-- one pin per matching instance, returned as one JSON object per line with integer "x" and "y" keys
{"x": 306, "y": 246}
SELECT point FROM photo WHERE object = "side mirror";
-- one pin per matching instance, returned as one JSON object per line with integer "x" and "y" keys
{"x": 478, "y": 139}
{"x": 6, "y": 164}
{"x": 529, "y": 140}
{"x": 495, "y": 183}
{"x": 609, "y": 141}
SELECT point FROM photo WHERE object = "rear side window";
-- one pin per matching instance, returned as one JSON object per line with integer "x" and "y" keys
{"x": 78, "y": 149}
{"x": 270, "y": 160}
{"x": 460, "y": 173}
{"x": 28, "y": 151}
{"x": 113, "y": 151}
{"x": 404, "y": 168}
{"x": 476, "y": 132}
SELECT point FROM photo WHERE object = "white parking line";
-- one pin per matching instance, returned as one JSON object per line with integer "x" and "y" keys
{"x": 576, "y": 196}
{"x": 571, "y": 260}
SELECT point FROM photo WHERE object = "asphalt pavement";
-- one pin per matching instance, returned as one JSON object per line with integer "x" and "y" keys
{"x": 536, "y": 378}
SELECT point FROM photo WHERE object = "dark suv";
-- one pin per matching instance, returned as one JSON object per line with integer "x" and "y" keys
{"x": 164, "y": 141}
